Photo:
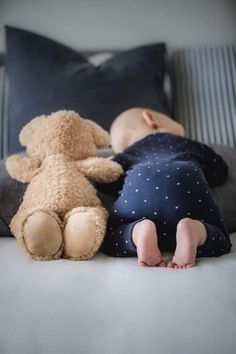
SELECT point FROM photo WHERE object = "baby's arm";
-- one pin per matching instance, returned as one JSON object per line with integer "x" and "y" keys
{"x": 213, "y": 165}
{"x": 22, "y": 168}
{"x": 110, "y": 188}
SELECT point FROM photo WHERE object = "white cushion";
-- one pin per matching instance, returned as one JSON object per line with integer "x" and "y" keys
{"x": 112, "y": 306}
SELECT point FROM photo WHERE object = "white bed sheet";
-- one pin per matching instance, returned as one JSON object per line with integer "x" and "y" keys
{"x": 113, "y": 306}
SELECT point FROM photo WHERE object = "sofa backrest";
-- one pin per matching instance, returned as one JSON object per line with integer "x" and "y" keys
{"x": 1, "y": 108}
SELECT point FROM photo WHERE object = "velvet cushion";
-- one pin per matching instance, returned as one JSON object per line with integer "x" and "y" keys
{"x": 11, "y": 194}
{"x": 225, "y": 195}
{"x": 45, "y": 76}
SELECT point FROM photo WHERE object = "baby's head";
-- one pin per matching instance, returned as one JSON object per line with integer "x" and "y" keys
{"x": 136, "y": 123}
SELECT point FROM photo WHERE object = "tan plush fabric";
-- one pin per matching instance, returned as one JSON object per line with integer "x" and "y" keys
{"x": 60, "y": 166}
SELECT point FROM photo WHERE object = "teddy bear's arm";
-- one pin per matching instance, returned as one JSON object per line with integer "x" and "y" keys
{"x": 22, "y": 168}
{"x": 100, "y": 169}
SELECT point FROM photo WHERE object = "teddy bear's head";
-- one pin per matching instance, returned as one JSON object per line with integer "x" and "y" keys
{"x": 63, "y": 132}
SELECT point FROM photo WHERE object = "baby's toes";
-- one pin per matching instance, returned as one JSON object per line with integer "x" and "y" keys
{"x": 162, "y": 264}
{"x": 171, "y": 264}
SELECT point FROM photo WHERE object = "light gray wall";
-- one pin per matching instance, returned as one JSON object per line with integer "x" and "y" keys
{"x": 98, "y": 24}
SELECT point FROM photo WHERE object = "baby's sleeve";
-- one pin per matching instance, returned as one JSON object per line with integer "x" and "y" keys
{"x": 213, "y": 165}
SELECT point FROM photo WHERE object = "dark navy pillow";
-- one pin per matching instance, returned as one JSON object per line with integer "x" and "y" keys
{"x": 45, "y": 76}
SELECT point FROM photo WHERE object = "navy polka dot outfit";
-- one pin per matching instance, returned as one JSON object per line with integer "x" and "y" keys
{"x": 167, "y": 178}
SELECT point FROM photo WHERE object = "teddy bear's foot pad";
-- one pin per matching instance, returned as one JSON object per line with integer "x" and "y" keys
{"x": 84, "y": 232}
{"x": 42, "y": 236}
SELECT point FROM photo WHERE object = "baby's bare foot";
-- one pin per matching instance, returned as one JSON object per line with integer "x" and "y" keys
{"x": 190, "y": 234}
{"x": 145, "y": 239}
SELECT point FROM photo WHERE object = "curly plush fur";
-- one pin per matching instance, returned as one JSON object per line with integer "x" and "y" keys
{"x": 61, "y": 213}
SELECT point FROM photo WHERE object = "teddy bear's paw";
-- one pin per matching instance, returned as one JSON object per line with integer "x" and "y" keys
{"x": 84, "y": 232}
{"x": 42, "y": 236}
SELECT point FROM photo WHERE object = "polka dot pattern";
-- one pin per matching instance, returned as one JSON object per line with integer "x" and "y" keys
{"x": 167, "y": 178}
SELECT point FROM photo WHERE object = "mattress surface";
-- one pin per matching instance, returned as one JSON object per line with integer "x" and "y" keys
{"x": 113, "y": 306}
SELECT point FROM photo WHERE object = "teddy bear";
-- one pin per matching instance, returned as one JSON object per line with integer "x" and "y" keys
{"x": 61, "y": 214}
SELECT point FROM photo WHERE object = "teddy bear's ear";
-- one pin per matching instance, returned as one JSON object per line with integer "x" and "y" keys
{"x": 101, "y": 136}
{"x": 29, "y": 128}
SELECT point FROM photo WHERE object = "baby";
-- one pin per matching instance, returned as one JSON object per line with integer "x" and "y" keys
{"x": 164, "y": 199}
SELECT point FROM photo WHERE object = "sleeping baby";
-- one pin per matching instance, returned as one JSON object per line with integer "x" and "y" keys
{"x": 164, "y": 202}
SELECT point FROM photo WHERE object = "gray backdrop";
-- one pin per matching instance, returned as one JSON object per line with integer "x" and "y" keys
{"x": 99, "y": 24}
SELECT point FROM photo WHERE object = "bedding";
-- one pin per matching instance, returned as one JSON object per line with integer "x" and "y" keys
{"x": 111, "y": 305}
{"x": 45, "y": 76}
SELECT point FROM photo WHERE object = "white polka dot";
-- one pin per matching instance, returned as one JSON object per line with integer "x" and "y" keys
{"x": 148, "y": 179}
{"x": 167, "y": 176}
{"x": 198, "y": 182}
{"x": 199, "y": 200}
{"x": 124, "y": 252}
{"x": 115, "y": 211}
{"x": 133, "y": 212}
{"x": 145, "y": 200}
{"x": 189, "y": 213}
{"x": 178, "y": 183}
{"x": 166, "y": 197}
{"x": 126, "y": 201}
{"x": 139, "y": 174}
{"x": 116, "y": 244}
{"x": 126, "y": 241}
{"x": 155, "y": 213}
{"x": 136, "y": 190}
{"x": 188, "y": 192}
{"x": 176, "y": 207}
{"x": 157, "y": 187}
